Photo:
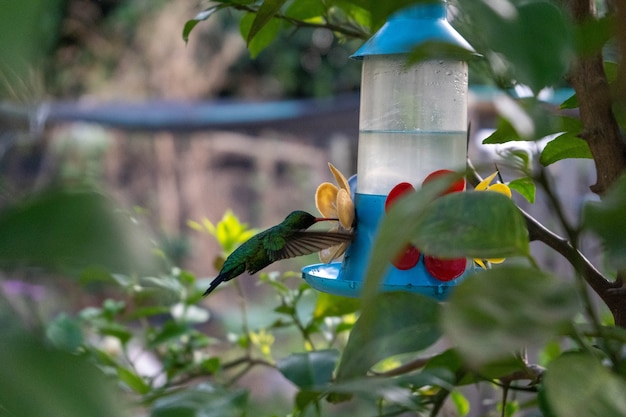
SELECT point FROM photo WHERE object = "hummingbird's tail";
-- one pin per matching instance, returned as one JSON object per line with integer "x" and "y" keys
{"x": 217, "y": 281}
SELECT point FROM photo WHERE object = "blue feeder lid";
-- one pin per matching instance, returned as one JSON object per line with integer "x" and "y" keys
{"x": 411, "y": 27}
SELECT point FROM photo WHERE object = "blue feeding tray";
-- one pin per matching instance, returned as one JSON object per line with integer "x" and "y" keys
{"x": 346, "y": 278}
{"x": 326, "y": 278}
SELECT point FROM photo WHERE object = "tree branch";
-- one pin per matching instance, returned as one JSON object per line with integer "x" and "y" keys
{"x": 582, "y": 265}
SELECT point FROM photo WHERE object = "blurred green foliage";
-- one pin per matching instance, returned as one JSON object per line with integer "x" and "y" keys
{"x": 145, "y": 348}
{"x": 29, "y": 32}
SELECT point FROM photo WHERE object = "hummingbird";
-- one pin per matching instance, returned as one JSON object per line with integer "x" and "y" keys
{"x": 285, "y": 240}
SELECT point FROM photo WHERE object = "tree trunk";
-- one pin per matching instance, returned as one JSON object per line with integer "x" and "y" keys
{"x": 601, "y": 130}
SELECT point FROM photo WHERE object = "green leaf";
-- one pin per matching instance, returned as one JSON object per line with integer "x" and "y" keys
{"x": 170, "y": 330}
{"x": 305, "y": 398}
{"x": 310, "y": 369}
{"x": 570, "y": 103}
{"x": 61, "y": 229}
{"x": 593, "y": 34}
{"x": 381, "y": 10}
{"x": 116, "y": 330}
{"x": 306, "y": 9}
{"x": 95, "y": 274}
{"x": 392, "y": 323}
{"x": 190, "y": 24}
{"x": 514, "y": 33}
{"x": 448, "y": 359}
{"x": 357, "y": 11}
{"x": 564, "y": 146}
{"x": 611, "y": 69}
{"x": 211, "y": 365}
{"x": 264, "y": 15}
{"x": 133, "y": 381}
{"x": 484, "y": 225}
{"x": 579, "y": 385}
{"x": 148, "y": 311}
{"x": 525, "y": 186}
{"x": 65, "y": 333}
{"x": 608, "y": 221}
{"x": 505, "y": 132}
{"x": 517, "y": 159}
{"x": 440, "y": 50}
{"x": 461, "y": 403}
{"x": 263, "y": 38}
{"x": 495, "y": 313}
{"x": 528, "y": 119}
{"x": 400, "y": 390}
{"x": 329, "y": 305}
{"x": 165, "y": 284}
{"x": 201, "y": 400}
{"x": 39, "y": 381}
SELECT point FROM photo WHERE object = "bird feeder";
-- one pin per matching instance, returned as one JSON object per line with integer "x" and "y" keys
{"x": 413, "y": 125}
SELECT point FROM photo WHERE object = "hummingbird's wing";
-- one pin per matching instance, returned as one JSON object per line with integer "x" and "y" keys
{"x": 304, "y": 243}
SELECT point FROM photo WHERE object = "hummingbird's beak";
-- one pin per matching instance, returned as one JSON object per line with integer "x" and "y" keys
{"x": 325, "y": 219}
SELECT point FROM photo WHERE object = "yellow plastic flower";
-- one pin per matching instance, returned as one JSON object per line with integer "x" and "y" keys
{"x": 335, "y": 202}
{"x": 485, "y": 185}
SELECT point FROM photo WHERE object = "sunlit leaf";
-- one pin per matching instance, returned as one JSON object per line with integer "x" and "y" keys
{"x": 497, "y": 312}
{"x": 330, "y": 305}
{"x": 309, "y": 369}
{"x": 525, "y": 187}
{"x": 607, "y": 219}
{"x": 564, "y": 146}
{"x": 577, "y": 384}
{"x": 264, "y": 15}
{"x": 461, "y": 403}
{"x": 392, "y": 323}
{"x": 306, "y": 9}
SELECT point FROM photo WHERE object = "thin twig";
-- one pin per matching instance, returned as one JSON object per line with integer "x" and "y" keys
{"x": 344, "y": 29}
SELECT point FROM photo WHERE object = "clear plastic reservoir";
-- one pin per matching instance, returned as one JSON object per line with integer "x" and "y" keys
{"x": 413, "y": 121}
